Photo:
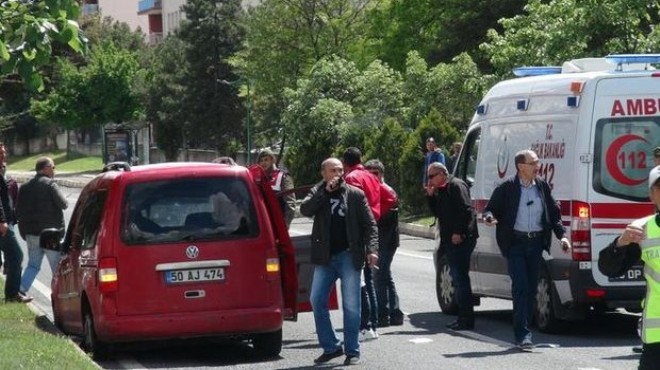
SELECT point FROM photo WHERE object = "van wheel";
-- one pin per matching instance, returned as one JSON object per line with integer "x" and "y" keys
{"x": 56, "y": 318}
{"x": 268, "y": 344}
{"x": 545, "y": 315}
{"x": 100, "y": 351}
{"x": 444, "y": 287}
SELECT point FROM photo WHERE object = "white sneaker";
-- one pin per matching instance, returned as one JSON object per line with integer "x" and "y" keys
{"x": 366, "y": 335}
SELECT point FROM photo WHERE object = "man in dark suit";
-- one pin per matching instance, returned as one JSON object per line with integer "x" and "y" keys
{"x": 526, "y": 214}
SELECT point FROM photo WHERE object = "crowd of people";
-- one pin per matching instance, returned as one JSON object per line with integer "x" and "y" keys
{"x": 355, "y": 236}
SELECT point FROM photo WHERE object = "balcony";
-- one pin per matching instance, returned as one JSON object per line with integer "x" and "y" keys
{"x": 149, "y": 7}
{"x": 155, "y": 38}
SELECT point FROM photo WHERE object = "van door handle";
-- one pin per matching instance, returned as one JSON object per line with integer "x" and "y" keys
{"x": 194, "y": 294}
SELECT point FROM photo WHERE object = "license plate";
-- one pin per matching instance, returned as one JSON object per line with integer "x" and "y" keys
{"x": 635, "y": 273}
{"x": 195, "y": 275}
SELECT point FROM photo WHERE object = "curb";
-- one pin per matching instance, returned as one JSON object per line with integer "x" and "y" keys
{"x": 420, "y": 231}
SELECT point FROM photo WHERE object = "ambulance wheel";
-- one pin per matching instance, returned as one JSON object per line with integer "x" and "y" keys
{"x": 268, "y": 344}
{"x": 444, "y": 287}
{"x": 544, "y": 314}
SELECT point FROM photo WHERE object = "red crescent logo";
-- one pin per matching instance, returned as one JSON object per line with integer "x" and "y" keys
{"x": 502, "y": 156}
{"x": 611, "y": 160}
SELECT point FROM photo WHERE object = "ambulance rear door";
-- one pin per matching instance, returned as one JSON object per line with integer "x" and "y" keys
{"x": 626, "y": 128}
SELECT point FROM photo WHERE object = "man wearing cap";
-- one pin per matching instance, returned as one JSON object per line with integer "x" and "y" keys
{"x": 280, "y": 181}
{"x": 656, "y": 156}
{"x": 641, "y": 239}
{"x": 40, "y": 206}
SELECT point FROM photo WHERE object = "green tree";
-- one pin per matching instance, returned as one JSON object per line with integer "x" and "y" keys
{"x": 551, "y": 32}
{"x": 284, "y": 40}
{"x": 97, "y": 93}
{"x": 411, "y": 161}
{"x": 29, "y": 30}
{"x": 386, "y": 143}
{"x": 162, "y": 93}
{"x": 211, "y": 106}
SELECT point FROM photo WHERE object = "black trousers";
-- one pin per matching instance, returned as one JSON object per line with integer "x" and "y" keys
{"x": 650, "y": 357}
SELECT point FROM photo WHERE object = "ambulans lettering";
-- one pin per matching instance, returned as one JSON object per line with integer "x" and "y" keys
{"x": 635, "y": 107}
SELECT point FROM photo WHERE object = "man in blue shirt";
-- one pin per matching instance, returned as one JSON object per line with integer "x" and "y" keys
{"x": 433, "y": 154}
{"x": 526, "y": 214}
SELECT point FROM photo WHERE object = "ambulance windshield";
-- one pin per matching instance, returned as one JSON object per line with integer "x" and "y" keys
{"x": 623, "y": 156}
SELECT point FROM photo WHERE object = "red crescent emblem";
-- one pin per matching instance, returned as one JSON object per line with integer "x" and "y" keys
{"x": 611, "y": 160}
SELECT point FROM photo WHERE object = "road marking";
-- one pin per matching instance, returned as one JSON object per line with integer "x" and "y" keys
{"x": 413, "y": 255}
{"x": 420, "y": 340}
{"x": 41, "y": 288}
{"x": 484, "y": 338}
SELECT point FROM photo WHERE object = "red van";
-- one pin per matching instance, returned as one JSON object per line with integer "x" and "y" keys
{"x": 176, "y": 250}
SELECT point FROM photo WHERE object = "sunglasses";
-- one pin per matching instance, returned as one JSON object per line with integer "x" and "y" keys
{"x": 432, "y": 175}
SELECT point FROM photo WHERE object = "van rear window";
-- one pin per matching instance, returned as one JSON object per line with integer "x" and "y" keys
{"x": 187, "y": 210}
{"x": 623, "y": 156}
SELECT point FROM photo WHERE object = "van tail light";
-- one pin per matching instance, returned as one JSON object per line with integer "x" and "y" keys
{"x": 580, "y": 231}
{"x": 108, "y": 281}
{"x": 272, "y": 265}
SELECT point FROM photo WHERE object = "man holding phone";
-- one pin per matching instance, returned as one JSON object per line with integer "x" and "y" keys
{"x": 526, "y": 215}
{"x": 344, "y": 236}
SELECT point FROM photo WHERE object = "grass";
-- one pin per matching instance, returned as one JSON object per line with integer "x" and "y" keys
{"x": 75, "y": 164}
{"x": 419, "y": 220}
{"x": 30, "y": 342}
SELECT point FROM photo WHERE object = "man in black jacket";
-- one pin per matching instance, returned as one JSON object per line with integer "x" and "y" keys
{"x": 9, "y": 244}
{"x": 344, "y": 236}
{"x": 40, "y": 206}
{"x": 449, "y": 200}
{"x": 526, "y": 214}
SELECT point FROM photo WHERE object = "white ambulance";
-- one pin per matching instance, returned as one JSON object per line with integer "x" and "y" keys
{"x": 593, "y": 123}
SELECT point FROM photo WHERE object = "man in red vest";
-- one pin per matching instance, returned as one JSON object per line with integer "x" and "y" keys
{"x": 280, "y": 181}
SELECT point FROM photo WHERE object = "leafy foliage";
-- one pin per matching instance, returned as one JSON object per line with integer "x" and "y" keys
{"x": 28, "y": 32}
{"x": 212, "y": 111}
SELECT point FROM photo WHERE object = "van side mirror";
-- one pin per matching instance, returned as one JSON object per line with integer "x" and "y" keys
{"x": 50, "y": 239}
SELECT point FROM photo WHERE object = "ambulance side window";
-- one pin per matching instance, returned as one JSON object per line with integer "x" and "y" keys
{"x": 467, "y": 163}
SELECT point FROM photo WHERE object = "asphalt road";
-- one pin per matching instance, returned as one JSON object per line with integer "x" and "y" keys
{"x": 603, "y": 342}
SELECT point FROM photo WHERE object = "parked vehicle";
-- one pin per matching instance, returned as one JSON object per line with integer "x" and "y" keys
{"x": 178, "y": 250}
{"x": 593, "y": 124}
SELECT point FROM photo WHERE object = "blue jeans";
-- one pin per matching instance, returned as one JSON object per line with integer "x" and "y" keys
{"x": 13, "y": 260}
{"x": 387, "y": 297}
{"x": 524, "y": 260}
{"x": 340, "y": 267}
{"x": 458, "y": 257}
{"x": 35, "y": 257}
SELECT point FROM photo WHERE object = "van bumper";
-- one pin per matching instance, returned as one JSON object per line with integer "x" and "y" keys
{"x": 242, "y": 322}
{"x": 583, "y": 290}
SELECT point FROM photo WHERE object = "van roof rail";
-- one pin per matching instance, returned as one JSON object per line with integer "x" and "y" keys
{"x": 536, "y": 71}
{"x": 117, "y": 166}
{"x": 621, "y": 59}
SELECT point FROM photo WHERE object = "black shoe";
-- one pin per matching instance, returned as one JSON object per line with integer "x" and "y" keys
{"x": 396, "y": 320}
{"x": 383, "y": 321}
{"x": 328, "y": 356}
{"x": 352, "y": 360}
{"x": 19, "y": 298}
{"x": 457, "y": 325}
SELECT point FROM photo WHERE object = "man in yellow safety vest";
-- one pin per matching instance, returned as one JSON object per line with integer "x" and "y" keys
{"x": 641, "y": 239}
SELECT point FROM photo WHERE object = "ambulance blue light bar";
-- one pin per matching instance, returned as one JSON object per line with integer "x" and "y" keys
{"x": 633, "y": 58}
{"x": 536, "y": 71}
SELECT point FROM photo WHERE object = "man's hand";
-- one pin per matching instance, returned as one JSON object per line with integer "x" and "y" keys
{"x": 3, "y": 228}
{"x": 565, "y": 244}
{"x": 489, "y": 220}
{"x": 632, "y": 234}
{"x": 333, "y": 184}
{"x": 372, "y": 260}
{"x": 430, "y": 189}
{"x": 456, "y": 239}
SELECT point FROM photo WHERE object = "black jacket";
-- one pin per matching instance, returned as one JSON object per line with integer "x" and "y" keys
{"x": 453, "y": 208}
{"x": 39, "y": 206}
{"x": 6, "y": 212}
{"x": 503, "y": 204}
{"x": 361, "y": 229}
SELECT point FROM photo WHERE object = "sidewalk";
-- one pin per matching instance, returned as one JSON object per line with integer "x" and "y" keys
{"x": 77, "y": 180}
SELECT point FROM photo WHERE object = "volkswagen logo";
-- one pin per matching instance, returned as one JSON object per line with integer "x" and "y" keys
{"x": 192, "y": 251}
